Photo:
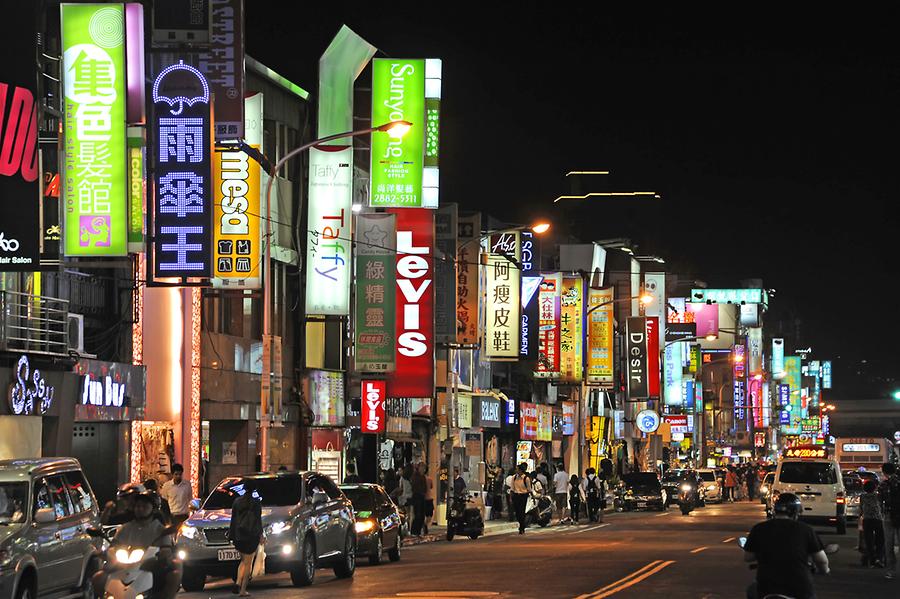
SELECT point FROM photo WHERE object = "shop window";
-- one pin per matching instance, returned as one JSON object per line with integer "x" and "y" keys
{"x": 79, "y": 492}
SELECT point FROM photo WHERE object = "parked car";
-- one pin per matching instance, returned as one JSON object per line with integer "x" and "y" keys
{"x": 766, "y": 487}
{"x": 639, "y": 490}
{"x": 378, "y": 522}
{"x": 853, "y": 488}
{"x": 308, "y": 524}
{"x": 46, "y": 508}
{"x": 711, "y": 489}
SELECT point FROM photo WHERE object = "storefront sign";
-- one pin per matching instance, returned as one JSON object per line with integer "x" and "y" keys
{"x": 826, "y": 374}
{"x": 486, "y": 411}
{"x": 647, "y": 421}
{"x": 375, "y": 293}
{"x": 373, "y": 413}
{"x": 749, "y": 315}
{"x": 678, "y": 423}
{"x": 399, "y": 415}
{"x": 464, "y": 410}
{"x": 467, "y": 291}
{"x": 136, "y": 189}
{"x": 502, "y": 299}
{"x": 777, "y": 356}
{"x": 531, "y": 281}
{"x": 398, "y": 93}
{"x": 600, "y": 336}
{"x": 673, "y": 373}
{"x": 544, "y": 422}
{"x": 569, "y": 418}
{"x": 20, "y": 187}
{"x": 707, "y": 319}
{"x": 678, "y": 311}
{"x": 653, "y": 348}
{"x": 523, "y": 452}
{"x": 224, "y": 67}
{"x": 755, "y": 350}
{"x": 571, "y": 330}
{"x": 792, "y": 379}
{"x": 740, "y": 361}
{"x": 528, "y": 420}
{"x": 729, "y": 296}
{"x": 29, "y": 394}
{"x": 93, "y": 71}
{"x": 756, "y": 403}
{"x": 636, "y": 358}
{"x": 329, "y": 239}
{"x": 414, "y": 373}
{"x": 326, "y": 397}
{"x": 740, "y": 404}
{"x": 548, "y": 365}
{"x": 681, "y": 331}
{"x": 445, "y": 234}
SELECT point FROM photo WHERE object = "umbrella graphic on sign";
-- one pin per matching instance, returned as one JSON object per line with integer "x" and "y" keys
{"x": 180, "y": 84}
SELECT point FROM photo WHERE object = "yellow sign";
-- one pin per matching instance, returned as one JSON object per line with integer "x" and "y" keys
{"x": 600, "y": 337}
{"x": 571, "y": 330}
{"x": 597, "y": 440}
{"x": 236, "y": 224}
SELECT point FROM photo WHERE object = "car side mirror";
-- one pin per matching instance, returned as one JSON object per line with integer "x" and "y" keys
{"x": 195, "y": 505}
{"x": 45, "y": 515}
{"x": 319, "y": 497}
{"x": 742, "y": 541}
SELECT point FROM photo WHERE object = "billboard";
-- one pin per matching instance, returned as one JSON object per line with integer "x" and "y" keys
{"x": 636, "y": 358}
{"x": 414, "y": 372}
{"x": 329, "y": 236}
{"x": 223, "y": 66}
{"x": 548, "y": 364}
{"x": 20, "y": 187}
{"x": 530, "y": 259}
{"x": 503, "y": 286}
{"x": 326, "y": 397}
{"x": 467, "y": 290}
{"x": 373, "y": 397}
{"x": 375, "y": 293}
{"x": 182, "y": 205}
{"x": 571, "y": 330}
{"x": 398, "y": 93}
{"x": 600, "y": 336}
{"x": 95, "y": 183}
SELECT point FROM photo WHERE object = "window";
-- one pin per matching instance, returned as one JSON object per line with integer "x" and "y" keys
{"x": 808, "y": 473}
{"x": 13, "y": 499}
{"x": 707, "y": 475}
{"x": 320, "y": 482}
{"x": 41, "y": 497}
{"x": 272, "y": 491}
{"x": 361, "y": 498}
{"x": 57, "y": 488}
{"x": 79, "y": 492}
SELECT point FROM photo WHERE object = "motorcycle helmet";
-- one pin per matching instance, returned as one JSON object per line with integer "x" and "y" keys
{"x": 788, "y": 504}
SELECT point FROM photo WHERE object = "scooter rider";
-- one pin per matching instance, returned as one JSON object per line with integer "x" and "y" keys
{"x": 783, "y": 547}
{"x": 144, "y": 531}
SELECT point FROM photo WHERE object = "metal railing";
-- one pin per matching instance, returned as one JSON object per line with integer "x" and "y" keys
{"x": 34, "y": 323}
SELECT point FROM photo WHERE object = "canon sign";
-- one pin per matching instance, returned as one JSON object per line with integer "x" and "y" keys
{"x": 373, "y": 419}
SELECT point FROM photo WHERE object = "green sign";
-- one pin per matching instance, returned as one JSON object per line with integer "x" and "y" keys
{"x": 375, "y": 282}
{"x": 95, "y": 174}
{"x": 135, "y": 189}
{"x": 729, "y": 296}
{"x": 398, "y": 93}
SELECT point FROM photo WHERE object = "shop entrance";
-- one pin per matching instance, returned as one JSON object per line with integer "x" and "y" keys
{"x": 94, "y": 444}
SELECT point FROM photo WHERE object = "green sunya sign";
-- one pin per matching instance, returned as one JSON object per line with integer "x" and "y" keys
{"x": 95, "y": 183}
{"x": 398, "y": 93}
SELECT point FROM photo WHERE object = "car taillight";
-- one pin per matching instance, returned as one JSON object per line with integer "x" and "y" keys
{"x": 839, "y": 498}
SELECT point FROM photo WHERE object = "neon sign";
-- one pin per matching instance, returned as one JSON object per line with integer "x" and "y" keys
{"x": 30, "y": 394}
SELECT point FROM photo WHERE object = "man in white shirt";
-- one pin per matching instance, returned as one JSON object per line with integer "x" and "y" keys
{"x": 178, "y": 494}
{"x": 561, "y": 490}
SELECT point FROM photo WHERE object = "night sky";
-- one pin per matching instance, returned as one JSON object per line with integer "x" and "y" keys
{"x": 770, "y": 136}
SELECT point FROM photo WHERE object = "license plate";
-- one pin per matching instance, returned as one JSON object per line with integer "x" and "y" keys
{"x": 227, "y": 555}
{"x": 642, "y": 504}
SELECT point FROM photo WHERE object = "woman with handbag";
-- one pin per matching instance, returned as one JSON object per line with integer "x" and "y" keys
{"x": 246, "y": 534}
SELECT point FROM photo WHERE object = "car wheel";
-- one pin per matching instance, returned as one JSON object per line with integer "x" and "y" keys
{"x": 375, "y": 558}
{"x": 302, "y": 574}
{"x": 347, "y": 567}
{"x": 394, "y": 553}
{"x": 842, "y": 526}
{"x": 193, "y": 580}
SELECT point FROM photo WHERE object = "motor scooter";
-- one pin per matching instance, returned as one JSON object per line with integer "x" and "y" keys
{"x": 464, "y": 519}
{"x": 830, "y": 549}
{"x": 538, "y": 509}
{"x": 131, "y": 567}
{"x": 686, "y": 498}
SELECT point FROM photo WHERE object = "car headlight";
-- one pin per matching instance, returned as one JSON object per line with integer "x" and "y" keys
{"x": 764, "y": 489}
{"x": 188, "y": 532}
{"x": 686, "y": 487}
{"x": 364, "y": 525}
{"x": 124, "y": 557}
{"x": 276, "y": 528}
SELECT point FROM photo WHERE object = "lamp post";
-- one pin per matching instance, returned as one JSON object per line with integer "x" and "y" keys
{"x": 394, "y": 129}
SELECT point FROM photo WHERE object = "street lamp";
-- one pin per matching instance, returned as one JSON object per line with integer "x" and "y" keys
{"x": 395, "y": 129}
{"x": 644, "y": 298}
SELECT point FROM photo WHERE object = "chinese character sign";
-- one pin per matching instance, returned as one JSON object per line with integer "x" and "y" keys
{"x": 571, "y": 330}
{"x": 445, "y": 234}
{"x": 223, "y": 66}
{"x": 600, "y": 336}
{"x": 375, "y": 279}
{"x": 740, "y": 403}
{"x": 398, "y": 94}
{"x": 754, "y": 350}
{"x": 182, "y": 207}
{"x": 467, "y": 278}
{"x": 95, "y": 205}
{"x": 548, "y": 364}
{"x": 502, "y": 302}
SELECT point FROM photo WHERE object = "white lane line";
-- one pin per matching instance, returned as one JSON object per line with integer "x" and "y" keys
{"x": 662, "y": 514}
{"x": 699, "y": 549}
{"x": 578, "y": 532}
{"x": 728, "y": 540}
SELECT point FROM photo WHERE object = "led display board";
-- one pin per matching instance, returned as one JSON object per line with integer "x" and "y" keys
{"x": 502, "y": 298}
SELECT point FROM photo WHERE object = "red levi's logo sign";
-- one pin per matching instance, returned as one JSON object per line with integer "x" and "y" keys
{"x": 414, "y": 373}
{"x": 373, "y": 394}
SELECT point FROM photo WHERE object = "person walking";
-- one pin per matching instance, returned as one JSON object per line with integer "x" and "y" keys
{"x": 521, "y": 489}
{"x": 751, "y": 483}
{"x": 593, "y": 487}
{"x": 561, "y": 490}
{"x": 419, "y": 487}
{"x": 730, "y": 483}
{"x": 507, "y": 486}
{"x": 246, "y": 534}
{"x": 178, "y": 494}
{"x": 889, "y": 493}
{"x": 429, "y": 499}
{"x": 873, "y": 523}
{"x": 576, "y": 498}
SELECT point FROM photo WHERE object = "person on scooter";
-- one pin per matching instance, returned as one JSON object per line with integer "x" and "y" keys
{"x": 145, "y": 531}
{"x": 783, "y": 547}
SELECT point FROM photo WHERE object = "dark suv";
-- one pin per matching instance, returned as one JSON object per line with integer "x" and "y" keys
{"x": 308, "y": 524}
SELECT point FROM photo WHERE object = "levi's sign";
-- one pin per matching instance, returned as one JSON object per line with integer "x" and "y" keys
{"x": 373, "y": 396}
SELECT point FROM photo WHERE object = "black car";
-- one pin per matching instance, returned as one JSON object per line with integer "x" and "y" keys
{"x": 673, "y": 481}
{"x": 639, "y": 491}
{"x": 378, "y": 522}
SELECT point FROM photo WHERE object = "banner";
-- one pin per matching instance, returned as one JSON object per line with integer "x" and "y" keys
{"x": 653, "y": 335}
{"x": 398, "y": 93}
{"x": 375, "y": 293}
{"x": 571, "y": 330}
{"x": 414, "y": 373}
{"x": 94, "y": 186}
{"x": 636, "y": 358}
{"x": 707, "y": 318}
{"x": 600, "y": 337}
{"x": 182, "y": 206}
{"x": 673, "y": 374}
{"x": 530, "y": 252}
{"x": 777, "y": 356}
{"x": 329, "y": 236}
{"x": 467, "y": 290}
{"x": 373, "y": 399}
{"x": 655, "y": 287}
{"x": 326, "y": 397}
{"x": 535, "y": 422}
{"x": 20, "y": 187}
{"x": 755, "y": 350}
{"x": 223, "y": 66}
{"x": 548, "y": 364}
{"x": 445, "y": 232}
{"x": 503, "y": 284}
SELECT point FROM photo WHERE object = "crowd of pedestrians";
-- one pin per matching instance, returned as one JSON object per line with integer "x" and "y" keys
{"x": 740, "y": 482}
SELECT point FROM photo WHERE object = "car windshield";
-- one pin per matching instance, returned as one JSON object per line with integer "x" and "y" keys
{"x": 708, "y": 476}
{"x": 674, "y": 476}
{"x": 853, "y": 484}
{"x": 640, "y": 479}
{"x": 13, "y": 499}
{"x": 273, "y": 492}
{"x": 362, "y": 498}
{"x": 809, "y": 473}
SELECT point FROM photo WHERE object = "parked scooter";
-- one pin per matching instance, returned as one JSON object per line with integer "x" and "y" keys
{"x": 465, "y": 518}
{"x": 830, "y": 549}
{"x": 538, "y": 509}
{"x": 131, "y": 575}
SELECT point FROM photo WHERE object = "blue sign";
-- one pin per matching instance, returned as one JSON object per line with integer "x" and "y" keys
{"x": 531, "y": 281}
{"x": 182, "y": 204}
{"x": 784, "y": 395}
{"x": 826, "y": 374}
{"x": 647, "y": 421}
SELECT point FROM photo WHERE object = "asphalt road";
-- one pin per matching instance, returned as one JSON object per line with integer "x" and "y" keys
{"x": 631, "y": 555}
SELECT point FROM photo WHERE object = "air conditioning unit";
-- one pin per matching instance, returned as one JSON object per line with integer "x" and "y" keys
{"x": 76, "y": 332}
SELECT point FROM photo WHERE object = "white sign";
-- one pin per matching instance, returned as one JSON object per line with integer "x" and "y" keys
{"x": 105, "y": 392}
{"x": 861, "y": 447}
{"x": 30, "y": 394}
{"x": 229, "y": 452}
{"x": 647, "y": 421}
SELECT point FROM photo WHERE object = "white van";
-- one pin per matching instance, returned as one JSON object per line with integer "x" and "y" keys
{"x": 817, "y": 482}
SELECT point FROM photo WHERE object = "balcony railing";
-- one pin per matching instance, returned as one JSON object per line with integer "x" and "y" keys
{"x": 33, "y": 323}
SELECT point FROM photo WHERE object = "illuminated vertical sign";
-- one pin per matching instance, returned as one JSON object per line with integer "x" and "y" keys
{"x": 755, "y": 389}
{"x": 467, "y": 290}
{"x": 739, "y": 357}
{"x": 374, "y": 395}
{"x": 531, "y": 280}
{"x": 94, "y": 186}
{"x": 548, "y": 363}
{"x": 600, "y": 336}
{"x": 792, "y": 381}
{"x": 755, "y": 350}
{"x": 329, "y": 238}
{"x": 673, "y": 373}
{"x": 503, "y": 285}
{"x": 707, "y": 318}
{"x": 826, "y": 374}
{"x": 223, "y": 66}
{"x": 636, "y": 358}
{"x": 414, "y": 373}
{"x": 398, "y": 93}
{"x": 431, "y": 172}
{"x": 655, "y": 287}
{"x": 375, "y": 293}
{"x": 740, "y": 402}
{"x": 136, "y": 189}
{"x": 237, "y": 191}
{"x": 653, "y": 337}
{"x": 777, "y": 356}
{"x": 571, "y": 332}
{"x": 182, "y": 207}
{"x": 445, "y": 233}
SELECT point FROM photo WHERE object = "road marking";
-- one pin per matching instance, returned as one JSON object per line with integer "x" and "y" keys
{"x": 462, "y": 594}
{"x": 662, "y": 514}
{"x": 728, "y": 540}
{"x": 699, "y": 549}
{"x": 578, "y": 532}
{"x": 628, "y": 581}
